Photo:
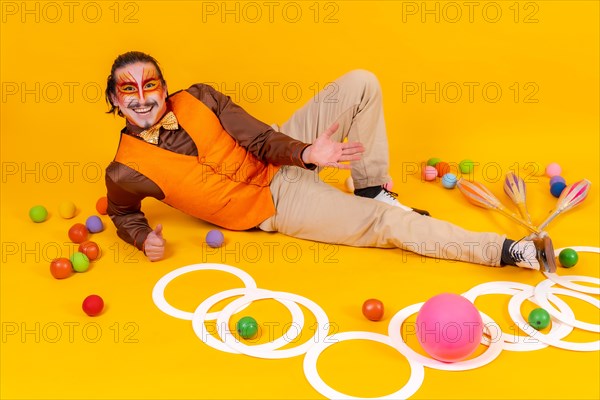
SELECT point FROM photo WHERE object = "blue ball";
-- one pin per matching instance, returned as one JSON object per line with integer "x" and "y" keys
{"x": 557, "y": 178}
{"x": 557, "y": 188}
{"x": 449, "y": 180}
{"x": 94, "y": 224}
{"x": 214, "y": 238}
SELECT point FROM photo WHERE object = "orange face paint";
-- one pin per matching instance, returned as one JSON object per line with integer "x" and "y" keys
{"x": 140, "y": 94}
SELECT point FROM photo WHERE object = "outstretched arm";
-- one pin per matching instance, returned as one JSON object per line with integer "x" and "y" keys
{"x": 254, "y": 135}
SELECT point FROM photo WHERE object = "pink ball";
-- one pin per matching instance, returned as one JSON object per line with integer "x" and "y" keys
{"x": 429, "y": 173}
{"x": 553, "y": 169}
{"x": 449, "y": 327}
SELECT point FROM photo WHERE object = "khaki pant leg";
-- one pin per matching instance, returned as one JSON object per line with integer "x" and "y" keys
{"x": 308, "y": 208}
{"x": 354, "y": 101}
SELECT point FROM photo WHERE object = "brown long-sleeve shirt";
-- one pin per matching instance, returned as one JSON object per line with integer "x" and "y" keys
{"x": 126, "y": 187}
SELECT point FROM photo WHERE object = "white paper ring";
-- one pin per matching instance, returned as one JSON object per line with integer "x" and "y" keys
{"x": 158, "y": 293}
{"x": 310, "y": 367}
{"x": 514, "y": 342}
{"x": 567, "y": 281}
{"x": 514, "y": 309}
{"x": 544, "y": 288}
{"x": 260, "y": 294}
{"x": 199, "y": 318}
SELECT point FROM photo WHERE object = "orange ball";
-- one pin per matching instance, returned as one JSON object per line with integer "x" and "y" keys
{"x": 102, "y": 205}
{"x": 442, "y": 168}
{"x": 78, "y": 233}
{"x": 90, "y": 249}
{"x": 373, "y": 309}
{"x": 61, "y": 268}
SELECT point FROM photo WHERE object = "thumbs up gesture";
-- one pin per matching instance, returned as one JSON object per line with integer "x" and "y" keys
{"x": 154, "y": 246}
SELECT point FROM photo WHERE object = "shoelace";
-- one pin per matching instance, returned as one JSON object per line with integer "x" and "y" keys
{"x": 518, "y": 256}
{"x": 388, "y": 193}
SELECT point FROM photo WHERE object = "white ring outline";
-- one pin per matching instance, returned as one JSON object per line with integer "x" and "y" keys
{"x": 312, "y": 374}
{"x": 158, "y": 293}
{"x": 484, "y": 287}
{"x": 514, "y": 309}
{"x": 394, "y": 332}
{"x": 544, "y": 288}
{"x": 497, "y": 287}
{"x": 263, "y": 294}
{"x": 558, "y": 329}
{"x": 160, "y": 301}
{"x": 567, "y": 281}
{"x": 202, "y": 310}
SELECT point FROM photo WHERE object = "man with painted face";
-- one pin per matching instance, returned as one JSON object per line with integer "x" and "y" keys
{"x": 201, "y": 153}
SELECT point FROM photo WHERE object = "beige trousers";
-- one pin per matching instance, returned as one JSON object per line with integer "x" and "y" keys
{"x": 309, "y": 208}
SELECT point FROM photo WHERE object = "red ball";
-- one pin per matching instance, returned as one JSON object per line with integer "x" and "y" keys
{"x": 61, "y": 268}
{"x": 373, "y": 309}
{"x": 78, "y": 233}
{"x": 442, "y": 168}
{"x": 93, "y": 305}
{"x": 102, "y": 205}
{"x": 90, "y": 249}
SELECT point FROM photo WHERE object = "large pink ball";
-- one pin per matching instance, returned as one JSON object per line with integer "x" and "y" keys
{"x": 449, "y": 327}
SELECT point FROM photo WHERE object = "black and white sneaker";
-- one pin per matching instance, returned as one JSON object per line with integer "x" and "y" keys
{"x": 524, "y": 254}
{"x": 391, "y": 198}
{"x": 380, "y": 193}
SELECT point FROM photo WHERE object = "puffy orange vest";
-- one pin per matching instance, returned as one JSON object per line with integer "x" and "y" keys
{"x": 224, "y": 185}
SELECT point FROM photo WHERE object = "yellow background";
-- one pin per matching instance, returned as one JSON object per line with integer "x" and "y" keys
{"x": 55, "y": 144}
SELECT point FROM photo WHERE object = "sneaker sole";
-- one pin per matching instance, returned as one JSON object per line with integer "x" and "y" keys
{"x": 545, "y": 254}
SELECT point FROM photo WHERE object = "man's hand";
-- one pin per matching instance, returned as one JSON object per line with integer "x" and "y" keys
{"x": 325, "y": 152}
{"x": 154, "y": 246}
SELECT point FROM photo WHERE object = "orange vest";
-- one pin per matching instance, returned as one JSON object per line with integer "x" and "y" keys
{"x": 225, "y": 184}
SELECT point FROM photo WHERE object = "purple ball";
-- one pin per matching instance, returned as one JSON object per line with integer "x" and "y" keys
{"x": 557, "y": 178}
{"x": 94, "y": 224}
{"x": 214, "y": 238}
{"x": 557, "y": 188}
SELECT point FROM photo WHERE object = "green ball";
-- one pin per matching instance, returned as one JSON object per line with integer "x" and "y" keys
{"x": 247, "y": 327}
{"x": 539, "y": 318}
{"x": 433, "y": 161}
{"x": 568, "y": 258}
{"x": 466, "y": 166}
{"x": 38, "y": 213}
{"x": 80, "y": 262}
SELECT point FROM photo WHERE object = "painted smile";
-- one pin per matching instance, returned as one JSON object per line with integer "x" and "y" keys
{"x": 143, "y": 110}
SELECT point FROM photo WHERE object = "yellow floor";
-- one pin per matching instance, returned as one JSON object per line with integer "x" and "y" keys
{"x": 54, "y": 148}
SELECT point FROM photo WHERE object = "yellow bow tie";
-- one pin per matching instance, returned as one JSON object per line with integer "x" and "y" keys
{"x": 169, "y": 122}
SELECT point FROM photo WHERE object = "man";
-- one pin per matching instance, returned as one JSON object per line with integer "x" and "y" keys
{"x": 199, "y": 152}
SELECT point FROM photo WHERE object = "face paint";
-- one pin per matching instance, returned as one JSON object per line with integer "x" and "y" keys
{"x": 140, "y": 94}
